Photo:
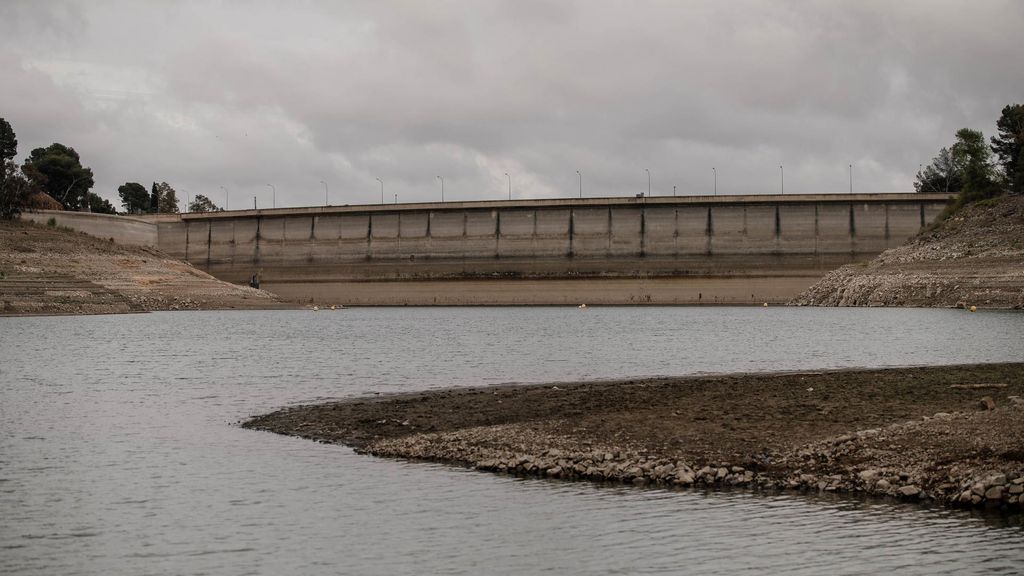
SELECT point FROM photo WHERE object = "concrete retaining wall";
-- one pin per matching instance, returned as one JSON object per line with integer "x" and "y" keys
{"x": 122, "y": 229}
{"x": 692, "y": 236}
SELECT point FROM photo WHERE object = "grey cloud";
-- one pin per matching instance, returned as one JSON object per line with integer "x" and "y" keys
{"x": 242, "y": 94}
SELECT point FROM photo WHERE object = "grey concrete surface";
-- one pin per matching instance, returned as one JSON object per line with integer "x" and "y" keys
{"x": 122, "y": 229}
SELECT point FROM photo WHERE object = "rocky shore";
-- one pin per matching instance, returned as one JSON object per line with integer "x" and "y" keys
{"x": 975, "y": 258}
{"x": 953, "y": 435}
{"x": 52, "y": 270}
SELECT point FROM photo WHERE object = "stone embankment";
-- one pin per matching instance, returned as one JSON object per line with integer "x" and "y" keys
{"x": 51, "y": 270}
{"x": 953, "y": 435}
{"x": 975, "y": 258}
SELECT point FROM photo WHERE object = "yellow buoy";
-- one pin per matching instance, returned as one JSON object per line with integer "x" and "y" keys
{"x": 316, "y": 308}
{"x": 765, "y": 304}
{"x": 332, "y": 307}
{"x": 974, "y": 308}
{"x": 581, "y": 306}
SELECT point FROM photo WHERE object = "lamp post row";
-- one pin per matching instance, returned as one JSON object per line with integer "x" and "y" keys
{"x": 579, "y": 174}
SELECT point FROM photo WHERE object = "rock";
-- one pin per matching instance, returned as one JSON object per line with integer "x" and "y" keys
{"x": 868, "y": 476}
{"x": 994, "y": 493}
{"x": 883, "y": 485}
{"x": 965, "y": 496}
{"x": 721, "y": 473}
{"x": 995, "y": 480}
{"x": 684, "y": 478}
{"x": 1016, "y": 489}
{"x": 987, "y": 403}
{"x": 909, "y": 490}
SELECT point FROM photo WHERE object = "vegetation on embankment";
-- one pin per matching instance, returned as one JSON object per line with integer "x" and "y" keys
{"x": 53, "y": 270}
{"x": 975, "y": 257}
{"x": 952, "y": 434}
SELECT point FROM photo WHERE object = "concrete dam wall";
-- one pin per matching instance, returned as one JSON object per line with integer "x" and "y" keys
{"x": 304, "y": 252}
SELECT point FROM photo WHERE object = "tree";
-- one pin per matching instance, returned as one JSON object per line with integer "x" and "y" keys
{"x": 154, "y": 199}
{"x": 15, "y": 190}
{"x": 8, "y": 141}
{"x": 1009, "y": 146}
{"x": 134, "y": 197}
{"x": 203, "y": 204}
{"x": 100, "y": 205}
{"x": 167, "y": 198}
{"x": 972, "y": 154}
{"x": 58, "y": 171}
{"x": 942, "y": 175}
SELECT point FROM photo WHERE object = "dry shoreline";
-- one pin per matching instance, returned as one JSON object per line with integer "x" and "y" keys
{"x": 49, "y": 270}
{"x": 949, "y": 434}
{"x": 976, "y": 257}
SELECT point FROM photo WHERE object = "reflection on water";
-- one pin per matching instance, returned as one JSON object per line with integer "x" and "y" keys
{"x": 118, "y": 453}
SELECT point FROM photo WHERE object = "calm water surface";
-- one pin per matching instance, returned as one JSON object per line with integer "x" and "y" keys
{"x": 119, "y": 453}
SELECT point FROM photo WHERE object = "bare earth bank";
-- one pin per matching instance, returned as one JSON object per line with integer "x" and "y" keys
{"x": 51, "y": 270}
{"x": 976, "y": 258}
{"x": 949, "y": 434}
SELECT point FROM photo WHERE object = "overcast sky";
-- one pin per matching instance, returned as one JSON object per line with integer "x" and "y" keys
{"x": 244, "y": 94}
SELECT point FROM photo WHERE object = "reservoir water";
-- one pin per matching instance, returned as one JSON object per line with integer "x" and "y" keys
{"x": 120, "y": 453}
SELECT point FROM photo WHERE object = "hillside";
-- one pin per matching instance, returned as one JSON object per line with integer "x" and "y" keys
{"x": 52, "y": 270}
{"x": 976, "y": 257}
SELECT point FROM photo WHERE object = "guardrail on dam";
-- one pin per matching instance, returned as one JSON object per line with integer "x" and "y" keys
{"x": 705, "y": 236}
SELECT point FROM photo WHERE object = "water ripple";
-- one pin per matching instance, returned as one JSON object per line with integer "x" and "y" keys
{"x": 130, "y": 463}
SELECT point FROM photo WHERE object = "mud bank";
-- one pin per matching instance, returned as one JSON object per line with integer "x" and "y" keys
{"x": 951, "y": 434}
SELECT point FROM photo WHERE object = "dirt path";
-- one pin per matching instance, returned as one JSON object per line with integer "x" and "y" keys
{"x": 910, "y": 432}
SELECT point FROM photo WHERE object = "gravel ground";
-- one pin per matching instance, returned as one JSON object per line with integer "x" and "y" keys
{"x": 937, "y": 433}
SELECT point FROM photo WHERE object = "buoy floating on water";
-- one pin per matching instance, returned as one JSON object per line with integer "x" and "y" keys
{"x": 765, "y": 304}
{"x": 973, "y": 308}
{"x": 582, "y": 306}
{"x": 332, "y": 307}
{"x": 316, "y": 308}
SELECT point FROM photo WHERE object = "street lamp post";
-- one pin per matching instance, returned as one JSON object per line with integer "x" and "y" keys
{"x": 274, "y": 196}
{"x": 381, "y": 190}
{"x": 254, "y": 203}
{"x": 227, "y": 200}
{"x": 715, "y": 172}
{"x": 441, "y": 178}
{"x": 648, "y": 181}
{"x": 580, "y": 174}
{"x": 673, "y": 189}
{"x": 851, "y": 178}
{"x": 782, "y": 179}
{"x": 509, "y": 185}
{"x": 325, "y": 192}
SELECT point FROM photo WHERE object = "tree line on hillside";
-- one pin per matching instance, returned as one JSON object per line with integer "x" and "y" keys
{"x": 54, "y": 178}
{"x": 968, "y": 169}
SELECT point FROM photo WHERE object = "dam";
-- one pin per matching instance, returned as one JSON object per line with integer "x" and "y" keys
{"x": 667, "y": 250}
